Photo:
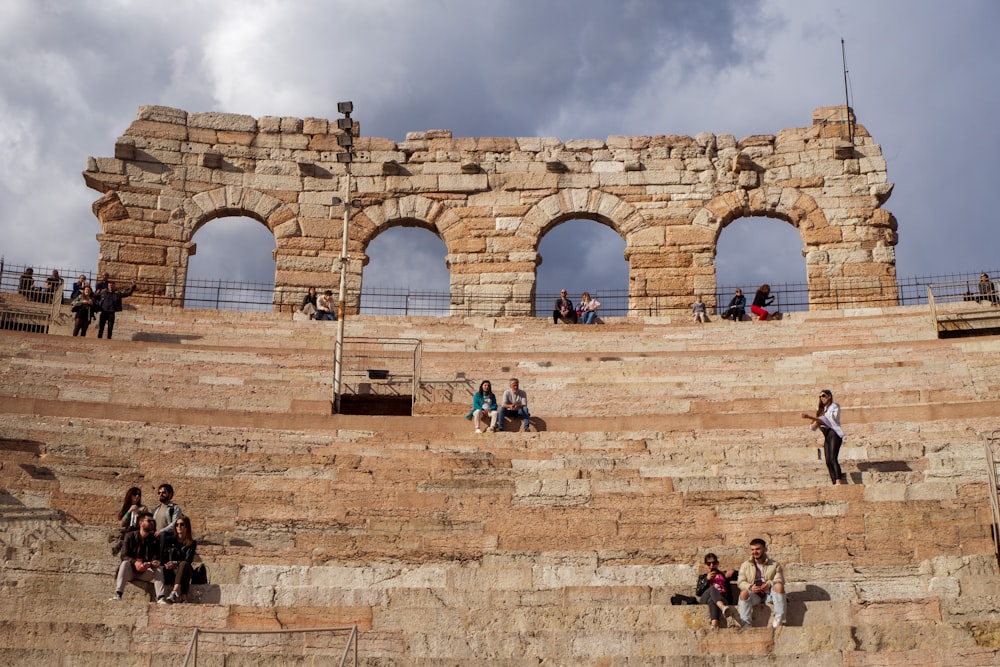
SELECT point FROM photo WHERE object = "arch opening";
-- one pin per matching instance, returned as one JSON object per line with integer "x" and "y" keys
{"x": 582, "y": 255}
{"x": 406, "y": 272}
{"x": 754, "y": 250}
{"x": 233, "y": 265}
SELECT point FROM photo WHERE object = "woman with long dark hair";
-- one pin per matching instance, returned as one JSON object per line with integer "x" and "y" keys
{"x": 177, "y": 559}
{"x": 827, "y": 420}
{"x": 484, "y": 403}
{"x": 760, "y": 299}
{"x": 83, "y": 311}
{"x": 128, "y": 516}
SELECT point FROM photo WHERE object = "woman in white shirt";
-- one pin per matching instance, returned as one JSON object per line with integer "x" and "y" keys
{"x": 827, "y": 420}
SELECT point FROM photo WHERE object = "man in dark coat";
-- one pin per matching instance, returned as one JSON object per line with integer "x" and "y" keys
{"x": 109, "y": 301}
{"x": 141, "y": 558}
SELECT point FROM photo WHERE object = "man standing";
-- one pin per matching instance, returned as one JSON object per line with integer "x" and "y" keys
{"x": 761, "y": 580}
{"x": 516, "y": 401}
{"x": 141, "y": 559}
{"x": 166, "y": 513}
{"x": 109, "y": 300}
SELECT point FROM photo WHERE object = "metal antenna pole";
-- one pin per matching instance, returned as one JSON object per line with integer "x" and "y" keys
{"x": 847, "y": 99}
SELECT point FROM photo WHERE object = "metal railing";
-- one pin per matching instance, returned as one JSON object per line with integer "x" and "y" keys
{"x": 992, "y": 443}
{"x": 249, "y": 296}
{"x": 191, "y": 659}
{"x": 27, "y": 304}
{"x": 382, "y": 366}
{"x": 964, "y": 306}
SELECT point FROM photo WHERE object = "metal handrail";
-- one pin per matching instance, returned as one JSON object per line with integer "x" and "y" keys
{"x": 991, "y": 468}
{"x": 240, "y": 295}
{"x": 352, "y": 640}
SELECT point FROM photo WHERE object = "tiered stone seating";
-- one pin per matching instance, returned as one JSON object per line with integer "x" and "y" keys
{"x": 562, "y": 546}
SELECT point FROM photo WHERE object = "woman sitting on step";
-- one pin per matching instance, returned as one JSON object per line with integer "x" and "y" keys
{"x": 132, "y": 507}
{"x": 484, "y": 401}
{"x": 177, "y": 557}
{"x": 713, "y": 590}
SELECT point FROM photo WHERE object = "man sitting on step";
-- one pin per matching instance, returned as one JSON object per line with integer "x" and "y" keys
{"x": 761, "y": 580}
{"x": 514, "y": 401}
{"x": 166, "y": 514}
{"x": 141, "y": 559}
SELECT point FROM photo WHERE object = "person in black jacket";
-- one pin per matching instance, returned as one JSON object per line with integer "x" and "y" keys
{"x": 141, "y": 558}
{"x": 737, "y": 307}
{"x": 564, "y": 309}
{"x": 83, "y": 311}
{"x": 762, "y": 298}
{"x": 109, "y": 300}
{"x": 713, "y": 589}
{"x": 177, "y": 559}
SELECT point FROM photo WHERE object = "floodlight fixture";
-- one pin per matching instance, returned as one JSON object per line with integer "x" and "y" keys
{"x": 345, "y": 107}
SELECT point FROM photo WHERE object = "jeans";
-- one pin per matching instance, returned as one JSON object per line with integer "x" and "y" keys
{"x": 712, "y": 597}
{"x": 746, "y": 606}
{"x": 520, "y": 412}
{"x": 590, "y": 317}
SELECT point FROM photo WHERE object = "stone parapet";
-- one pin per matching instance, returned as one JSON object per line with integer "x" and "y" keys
{"x": 174, "y": 171}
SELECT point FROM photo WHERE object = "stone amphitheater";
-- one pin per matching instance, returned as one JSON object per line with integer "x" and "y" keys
{"x": 656, "y": 442}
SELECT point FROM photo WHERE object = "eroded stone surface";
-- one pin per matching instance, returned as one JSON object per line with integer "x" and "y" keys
{"x": 491, "y": 200}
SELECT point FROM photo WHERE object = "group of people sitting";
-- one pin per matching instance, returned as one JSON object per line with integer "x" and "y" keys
{"x": 319, "y": 308}
{"x": 759, "y": 579}
{"x": 156, "y": 546}
{"x": 736, "y": 310}
{"x": 585, "y": 312}
{"x": 485, "y": 407}
{"x": 53, "y": 286}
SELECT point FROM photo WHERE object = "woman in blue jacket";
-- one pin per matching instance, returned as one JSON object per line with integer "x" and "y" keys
{"x": 484, "y": 401}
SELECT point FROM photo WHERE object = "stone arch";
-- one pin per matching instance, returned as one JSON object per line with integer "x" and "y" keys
{"x": 580, "y": 203}
{"x": 409, "y": 211}
{"x": 784, "y": 203}
{"x": 231, "y": 200}
{"x": 576, "y": 204}
{"x": 196, "y": 211}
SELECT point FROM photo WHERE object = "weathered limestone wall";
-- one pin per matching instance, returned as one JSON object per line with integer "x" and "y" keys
{"x": 491, "y": 200}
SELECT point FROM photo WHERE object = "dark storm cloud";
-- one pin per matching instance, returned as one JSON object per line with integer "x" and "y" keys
{"x": 923, "y": 81}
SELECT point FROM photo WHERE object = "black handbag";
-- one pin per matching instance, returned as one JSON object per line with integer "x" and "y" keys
{"x": 199, "y": 574}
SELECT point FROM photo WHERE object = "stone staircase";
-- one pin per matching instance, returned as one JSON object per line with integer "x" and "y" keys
{"x": 554, "y": 547}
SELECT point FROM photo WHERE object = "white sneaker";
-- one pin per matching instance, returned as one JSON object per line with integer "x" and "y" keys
{"x": 479, "y": 430}
{"x": 160, "y": 601}
{"x": 115, "y": 598}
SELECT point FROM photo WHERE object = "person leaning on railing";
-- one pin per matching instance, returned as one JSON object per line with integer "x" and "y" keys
{"x": 987, "y": 290}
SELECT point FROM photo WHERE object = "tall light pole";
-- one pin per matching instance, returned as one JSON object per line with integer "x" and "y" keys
{"x": 345, "y": 141}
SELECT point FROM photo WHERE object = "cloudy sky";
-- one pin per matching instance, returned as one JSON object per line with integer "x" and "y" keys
{"x": 923, "y": 79}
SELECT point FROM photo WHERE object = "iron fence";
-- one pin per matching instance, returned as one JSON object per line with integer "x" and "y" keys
{"x": 402, "y": 301}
